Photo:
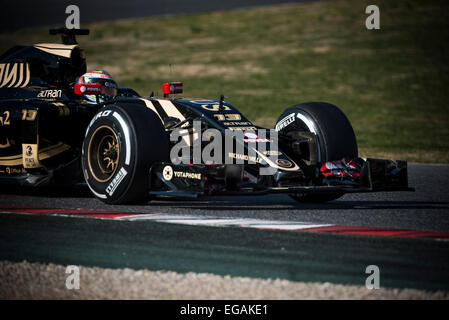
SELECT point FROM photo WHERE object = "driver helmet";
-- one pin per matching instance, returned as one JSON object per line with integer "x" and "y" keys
{"x": 108, "y": 85}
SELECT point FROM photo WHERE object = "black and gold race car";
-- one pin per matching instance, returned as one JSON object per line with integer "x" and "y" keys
{"x": 129, "y": 148}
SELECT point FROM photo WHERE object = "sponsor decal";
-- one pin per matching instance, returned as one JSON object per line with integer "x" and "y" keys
{"x": 110, "y": 84}
{"x": 50, "y": 94}
{"x": 215, "y": 107}
{"x": 237, "y": 123}
{"x": 228, "y": 117}
{"x": 29, "y": 115}
{"x": 4, "y": 118}
{"x": 16, "y": 75}
{"x": 187, "y": 175}
{"x": 252, "y": 137}
{"x": 30, "y": 163}
{"x": 167, "y": 173}
{"x": 242, "y": 128}
{"x": 272, "y": 153}
{"x": 29, "y": 151}
{"x": 116, "y": 181}
{"x": 104, "y": 113}
{"x": 283, "y": 163}
{"x": 92, "y": 89}
{"x": 285, "y": 122}
{"x": 30, "y": 156}
{"x": 244, "y": 157}
{"x": 12, "y": 170}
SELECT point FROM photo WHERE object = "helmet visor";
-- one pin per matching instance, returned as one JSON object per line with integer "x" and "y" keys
{"x": 109, "y": 91}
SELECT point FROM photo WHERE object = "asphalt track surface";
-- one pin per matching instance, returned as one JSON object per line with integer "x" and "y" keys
{"x": 427, "y": 209}
{"x": 297, "y": 256}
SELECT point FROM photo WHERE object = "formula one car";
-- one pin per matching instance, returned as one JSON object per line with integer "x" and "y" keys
{"x": 123, "y": 148}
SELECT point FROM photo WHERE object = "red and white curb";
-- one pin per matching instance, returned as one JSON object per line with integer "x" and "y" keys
{"x": 100, "y": 214}
{"x": 228, "y": 222}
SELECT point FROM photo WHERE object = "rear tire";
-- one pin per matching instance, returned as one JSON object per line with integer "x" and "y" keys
{"x": 121, "y": 143}
{"x": 335, "y": 135}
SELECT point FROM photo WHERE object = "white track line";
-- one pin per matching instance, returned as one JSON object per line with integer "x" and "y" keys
{"x": 225, "y": 222}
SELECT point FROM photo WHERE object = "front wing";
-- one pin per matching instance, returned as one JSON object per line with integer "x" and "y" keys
{"x": 186, "y": 180}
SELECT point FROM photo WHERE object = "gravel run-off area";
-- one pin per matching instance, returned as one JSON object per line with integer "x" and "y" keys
{"x": 25, "y": 280}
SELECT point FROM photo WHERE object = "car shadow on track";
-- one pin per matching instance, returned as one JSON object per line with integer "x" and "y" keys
{"x": 50, "y": 192}
{"x": 246, "y": 204}
{"x": 227, "y": 203}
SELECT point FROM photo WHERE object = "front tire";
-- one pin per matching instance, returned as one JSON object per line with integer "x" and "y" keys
{"x": 121, "y": 143}
{"x": 335, "y": 136}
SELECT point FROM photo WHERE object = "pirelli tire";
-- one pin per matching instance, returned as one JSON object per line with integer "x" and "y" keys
{"x": 121, "y": 143}
{"x": 335, "y": 135}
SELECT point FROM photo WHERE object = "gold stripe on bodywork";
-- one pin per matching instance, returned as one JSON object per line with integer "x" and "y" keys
{"x": 27, "y": 78}
{"x": 44, "y": 153}
{"x": 12, "y": 74}
{"x": 51, "y": 151}
{"x": 171, "y": 110}
{"x": 62, "y": 108}
{"x": 62, "y": 50}
{"x": 150, "y": 105}
{"x": 2, "y": 69}
{"x": 6, "y": 145}
{"x": 17, "y": 156}
{"x": 20, "y": 75}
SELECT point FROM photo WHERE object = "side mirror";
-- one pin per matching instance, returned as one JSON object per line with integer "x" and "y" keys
{"x": 171, "y": 87}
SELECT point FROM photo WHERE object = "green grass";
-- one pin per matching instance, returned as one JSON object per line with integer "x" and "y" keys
{"x": 392, "y": 83}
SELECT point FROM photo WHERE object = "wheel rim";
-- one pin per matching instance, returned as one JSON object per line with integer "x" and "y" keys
{"x": 308, "y": 123}
{"x": 103, "y": 154}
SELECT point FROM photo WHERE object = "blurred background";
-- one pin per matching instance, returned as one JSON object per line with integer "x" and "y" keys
{"x": 265, "y": 56}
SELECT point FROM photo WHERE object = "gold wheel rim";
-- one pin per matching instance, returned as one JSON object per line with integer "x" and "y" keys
{"x": 103, "y": 154}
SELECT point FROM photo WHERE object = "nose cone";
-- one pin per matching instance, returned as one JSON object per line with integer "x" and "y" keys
{"x": 289, "y": 178}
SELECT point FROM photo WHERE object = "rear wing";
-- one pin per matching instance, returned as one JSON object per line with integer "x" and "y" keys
{"x": 68, "y": 35}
